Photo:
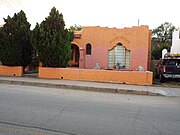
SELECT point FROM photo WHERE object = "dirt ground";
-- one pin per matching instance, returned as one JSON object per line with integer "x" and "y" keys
{"x": 169, "y": 83}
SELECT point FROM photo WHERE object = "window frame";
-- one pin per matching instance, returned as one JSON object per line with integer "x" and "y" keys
{"x": 88, "y": 49}
{"x": 126, "y": 59}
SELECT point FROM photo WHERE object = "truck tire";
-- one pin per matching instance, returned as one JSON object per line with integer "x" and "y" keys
{"x": 162, "y": 78}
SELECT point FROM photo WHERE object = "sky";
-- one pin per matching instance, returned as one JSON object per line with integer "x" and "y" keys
{"x": 104, "y": 13}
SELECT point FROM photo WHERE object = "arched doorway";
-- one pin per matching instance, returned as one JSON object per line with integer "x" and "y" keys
{"x": 74, "y": 62}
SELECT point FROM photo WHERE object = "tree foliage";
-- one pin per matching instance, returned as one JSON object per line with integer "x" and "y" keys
{"x": 157, "y": 51}
{"x": 164, "y": 32}
{"x": 52, "y": 41}
{"x": 161, "y": 39}
{"x": 15, "y": 45}
{"x": 75, "y": 28}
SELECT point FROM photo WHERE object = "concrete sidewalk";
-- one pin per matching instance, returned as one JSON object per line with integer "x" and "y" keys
{"x": 92, "y": 86}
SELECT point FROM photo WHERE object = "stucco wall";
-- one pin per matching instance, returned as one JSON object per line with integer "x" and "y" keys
{"x": 98, "y": 55}
{"x": 11, "y": 70}
{"x": 127, "y": 77}
{"x": 102, "y": 39}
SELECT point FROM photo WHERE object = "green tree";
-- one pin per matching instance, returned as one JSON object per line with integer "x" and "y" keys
{"x": 157, "y": 51}
{"x": 161, "y": 39}
{"x": 1, "y": 42}
{"x": 164, "y": 32}
{"x": 15, "y": 45}
{"x": 75, "y": 27}
{"x": 52, "y": 41}
{"x": 35, "y": 40}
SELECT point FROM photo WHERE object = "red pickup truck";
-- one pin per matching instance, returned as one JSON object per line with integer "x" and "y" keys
{"x": 168, "y": 68}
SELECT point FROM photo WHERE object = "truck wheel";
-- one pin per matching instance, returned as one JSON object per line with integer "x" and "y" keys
{"x": 161, "y": 78}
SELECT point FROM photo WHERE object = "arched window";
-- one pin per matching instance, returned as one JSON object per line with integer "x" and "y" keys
{"x": 88, "y": 49}
{"x": 119, "y": 57}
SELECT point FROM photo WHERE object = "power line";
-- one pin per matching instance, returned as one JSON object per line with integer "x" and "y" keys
{"x": 16, "y": 5}
{"x": 8, "y": 5}
{"x": 23, "y": 8}
{"x": 19, "y": 3}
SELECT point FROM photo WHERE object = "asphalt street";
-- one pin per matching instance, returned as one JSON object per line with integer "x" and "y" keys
{"x": 26, "y": 110}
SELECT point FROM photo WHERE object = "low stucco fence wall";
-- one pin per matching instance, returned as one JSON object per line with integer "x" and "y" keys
{"x": 11, "y": 70}
{"x": 127, "y": 77}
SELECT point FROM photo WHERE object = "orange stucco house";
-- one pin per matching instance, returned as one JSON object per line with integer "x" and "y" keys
{"x": 127, "y": 48}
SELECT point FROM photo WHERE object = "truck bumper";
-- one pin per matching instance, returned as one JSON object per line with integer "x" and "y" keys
{"x": 172, "y": 75}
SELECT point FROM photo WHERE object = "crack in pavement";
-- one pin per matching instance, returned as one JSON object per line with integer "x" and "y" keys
{"x": 36, "y": 127}
{"x": 143, "y": 120}
{"x": 54, "y": 117}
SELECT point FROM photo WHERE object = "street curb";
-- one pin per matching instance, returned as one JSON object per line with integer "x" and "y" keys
{"x": 83, "y": 88}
